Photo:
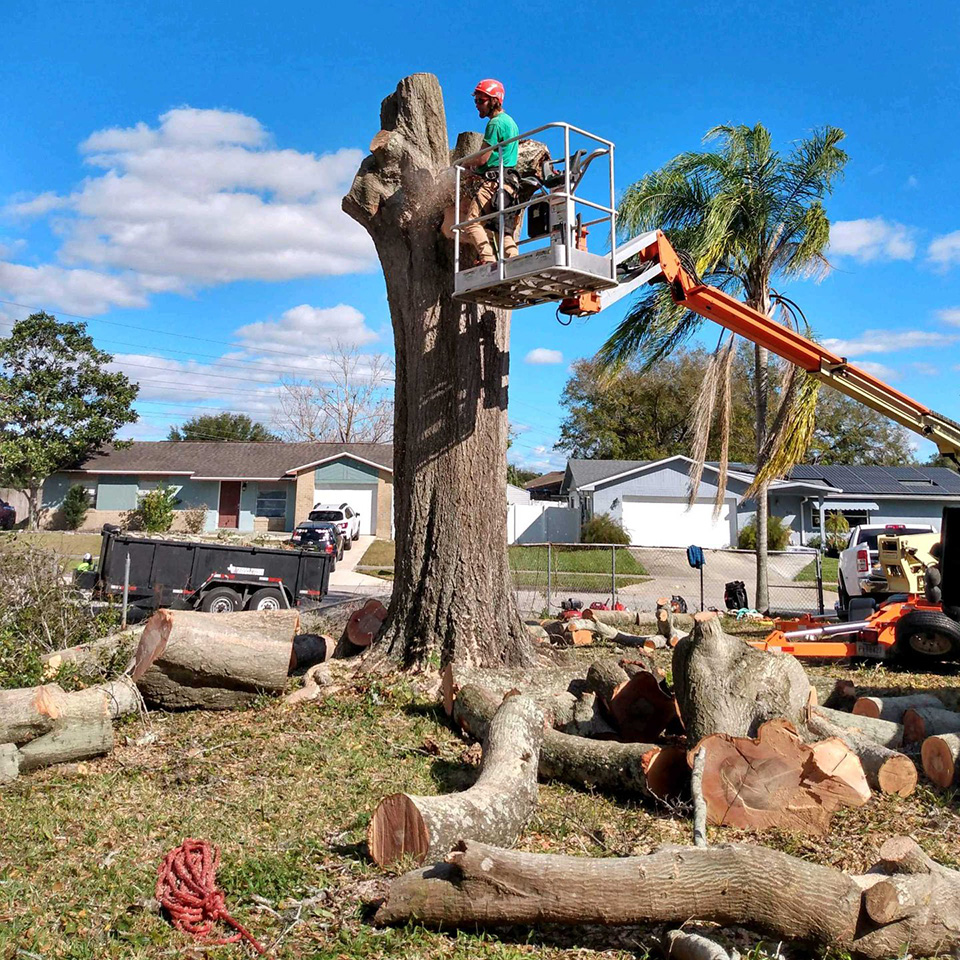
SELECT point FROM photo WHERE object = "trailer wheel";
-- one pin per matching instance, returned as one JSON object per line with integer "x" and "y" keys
{"x": 926, "y": 636}
{"x": 269, "y": 598}
{"x": 220, "y": 600}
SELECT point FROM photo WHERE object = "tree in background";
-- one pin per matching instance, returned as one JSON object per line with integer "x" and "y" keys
{"x": 847, "y": 432}
{"x": 350, "y": 402}
{"x": 75, "y": 506}
{"x": 518, "y": 476}
{"x": 221, "y": 426}
{"x": 58, "y": 402}
{"x": 747, "y": 217}
{"x": 644, "y": 414}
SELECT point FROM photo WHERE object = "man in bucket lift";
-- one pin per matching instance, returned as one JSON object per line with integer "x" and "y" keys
{"x": 479, "y": 192}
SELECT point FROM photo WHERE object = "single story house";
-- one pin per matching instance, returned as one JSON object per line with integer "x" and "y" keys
{"x": 546, "y": 487}
{"x": 241, "y": 486}
{"x": 650, "y": 498}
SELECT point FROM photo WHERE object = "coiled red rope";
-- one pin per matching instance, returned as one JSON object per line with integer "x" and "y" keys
{"x": 187, "y": 890}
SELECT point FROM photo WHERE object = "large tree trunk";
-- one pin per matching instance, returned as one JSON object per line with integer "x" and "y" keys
{"x": 734, "y": 884}
{"x": 452, "y": 590}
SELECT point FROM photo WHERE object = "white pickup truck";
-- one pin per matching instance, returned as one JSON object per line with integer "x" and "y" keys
{"x": 859, "y": 573}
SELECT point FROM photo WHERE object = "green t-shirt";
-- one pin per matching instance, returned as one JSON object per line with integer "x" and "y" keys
{"x": 500, "y": 128}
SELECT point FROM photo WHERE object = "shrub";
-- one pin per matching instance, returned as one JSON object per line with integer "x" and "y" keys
{"x": 838, "y": 530}
{"x": 603, "y": 529}
{"x": 75, "y": 506}
{"x": 156, "y": 509}
{"x": 778, "y": 534}
{"x": 195, "y": 519}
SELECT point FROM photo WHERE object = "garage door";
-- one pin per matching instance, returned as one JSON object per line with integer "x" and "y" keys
{"x": 362, "y": 497}
{"x": 672, "y": 524}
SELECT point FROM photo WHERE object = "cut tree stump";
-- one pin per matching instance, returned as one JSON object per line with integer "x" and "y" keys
{"x": 884, "y": 732}
{"x": 732, "y": 885}
{"x": 723, "y": 685}
{"x": 495, "y": 809}
{"x": 636, "y": 704}
{"x": 777, "y": 780}
{"x": 940, "y": 756}
{"x": 364, "y": 624}
{"x": 79, "y": 740}
{"x": 887, "y": 771}
{"x": 922, "y": 722}
{"x": 893, "y": 708}
{"x": 214, "y": 661}
{"x": 635, "y": 768}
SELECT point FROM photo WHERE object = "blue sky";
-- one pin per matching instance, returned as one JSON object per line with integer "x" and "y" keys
{"x": 173, "y": 171}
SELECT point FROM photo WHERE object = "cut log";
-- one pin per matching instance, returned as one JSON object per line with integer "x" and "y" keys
{"x": 29, "y": 712}
{"x": 634, "y": 768}
{"x": 884, "y": 732}
{"x": 543, "y": 681}
{"x": 940, "y": 756}
{"x": 215, "y": 661}
{"x": 733, "y": 884}
{"x": 922, "y": 722}
{"x": 110, "y": 700}
{"x": 71, "y": 741}
{"x": 723, "y": 685}
{"x": 667, "y": 626}
{"x": 579, "y": 716}
{"x": 776, "y": 780}
{"x": 893, "y": 708}
{"x": 886, "y": 770}
{"x": 97, "y": 656}
{"x": 9, "y": 762}
{"x": 495, "y": 809}
{"x": 636, "y": 705}
{"x": 364, "y": 624}
{"x": 614, "y": 618}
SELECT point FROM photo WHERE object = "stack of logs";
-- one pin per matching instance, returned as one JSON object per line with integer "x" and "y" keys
{"x": 766, "y": 754}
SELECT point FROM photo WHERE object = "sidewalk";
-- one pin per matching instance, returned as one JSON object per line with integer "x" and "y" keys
{"x": 344, "y": 577}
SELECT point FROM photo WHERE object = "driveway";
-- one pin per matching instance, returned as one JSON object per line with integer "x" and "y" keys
{"x": 346, "y": 584}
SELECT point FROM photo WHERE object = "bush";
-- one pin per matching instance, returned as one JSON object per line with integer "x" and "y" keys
{"x": 778, "y": 534}
{"x": 603, "y": 529}
{"x": 838, "y": 532}
{"x": 195, "y": 519}
{"x": 156, "y": 509}
{"x": 75, "y": 506}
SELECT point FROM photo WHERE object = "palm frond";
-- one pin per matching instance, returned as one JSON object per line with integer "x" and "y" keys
{"x": 701, "y": 423}
{"x": 726, "y": 393}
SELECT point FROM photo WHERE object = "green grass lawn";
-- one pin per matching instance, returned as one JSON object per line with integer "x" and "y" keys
{"x": 574, "y": 568}
{"x": 809, "y": 573}
{"x": 64, "y": 543}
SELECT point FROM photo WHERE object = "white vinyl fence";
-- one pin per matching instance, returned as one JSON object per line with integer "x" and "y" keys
{"x": 542, "y": 522}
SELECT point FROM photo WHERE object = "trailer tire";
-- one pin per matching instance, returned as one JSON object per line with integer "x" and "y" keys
{"x": 221, "y": 600}
{"x": 927, "y": 636}
{"x": 269, "y": 598}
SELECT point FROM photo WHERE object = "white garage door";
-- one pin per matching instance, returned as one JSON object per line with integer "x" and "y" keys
{"x": 362, "y": 497}
{"x": 672, "y": 524}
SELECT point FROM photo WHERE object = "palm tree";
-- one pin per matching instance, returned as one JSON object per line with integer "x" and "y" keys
{"x": 747, "y": 216}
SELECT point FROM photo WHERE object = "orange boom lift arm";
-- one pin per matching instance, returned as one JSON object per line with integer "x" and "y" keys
{"x": 652, "y": 258}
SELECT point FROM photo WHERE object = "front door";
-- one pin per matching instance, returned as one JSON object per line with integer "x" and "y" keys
{"x": 229, "y": 504}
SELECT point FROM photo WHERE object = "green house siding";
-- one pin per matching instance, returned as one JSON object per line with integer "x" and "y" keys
{"x": 346, "y": 470}
{"x": 117, "y": 493}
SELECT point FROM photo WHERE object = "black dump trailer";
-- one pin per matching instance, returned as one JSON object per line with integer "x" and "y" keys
{"x": 215, "y": 577}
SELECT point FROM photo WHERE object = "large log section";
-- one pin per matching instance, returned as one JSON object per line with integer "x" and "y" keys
{"x": 494, "y": 809}
{"x": 733, "y": 884}
{"x": 636, "y": 768}
{"x": 723, "y": 685}
{"x": 452, "y": 592}
{"x": 218, "y": 662}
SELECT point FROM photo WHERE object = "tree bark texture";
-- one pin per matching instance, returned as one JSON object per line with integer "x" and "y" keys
{"x": 452, "y": 587}
{"x": 884, "y": 732}
{"x": 922, "y": 722}
{"x": 214, "y": 661}
{"x": 732, "y": 884}
{"x": 649, "y": 770}
{"x": 723, "y": 685}
{"x": 495, "y": 809}
{"x": 69, "y": 741}
{"x": 545, "y": 682}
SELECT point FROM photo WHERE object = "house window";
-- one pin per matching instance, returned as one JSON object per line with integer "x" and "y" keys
{"x": 856, "y": 518}
{"x": 272, "y": 503}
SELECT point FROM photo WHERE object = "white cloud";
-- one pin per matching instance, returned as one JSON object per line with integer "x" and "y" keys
{"x": 925, "y": 369}
{"x": 872, "y": 239}
{"x": 879, "y": 370}
{"x": 912, "y": 182}
{"x": 200, "y": 199}
{"x": 888, "y": 341}
{"x": 944, "y": 251}
{"x": 950, "y": 315}
{"x": 309, "y": 328}
{"x": 543, "y": 355}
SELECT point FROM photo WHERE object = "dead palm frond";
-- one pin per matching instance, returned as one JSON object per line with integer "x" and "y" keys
{"x": 726, "y": 393}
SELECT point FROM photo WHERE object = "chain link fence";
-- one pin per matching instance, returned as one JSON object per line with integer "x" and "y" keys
{"x": 546, "y": 574}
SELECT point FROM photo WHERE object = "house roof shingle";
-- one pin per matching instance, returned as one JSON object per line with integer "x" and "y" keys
{"x": 221, "y": 459}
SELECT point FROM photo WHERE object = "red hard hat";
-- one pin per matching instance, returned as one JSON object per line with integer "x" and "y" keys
{"x": 492, "y": 88}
